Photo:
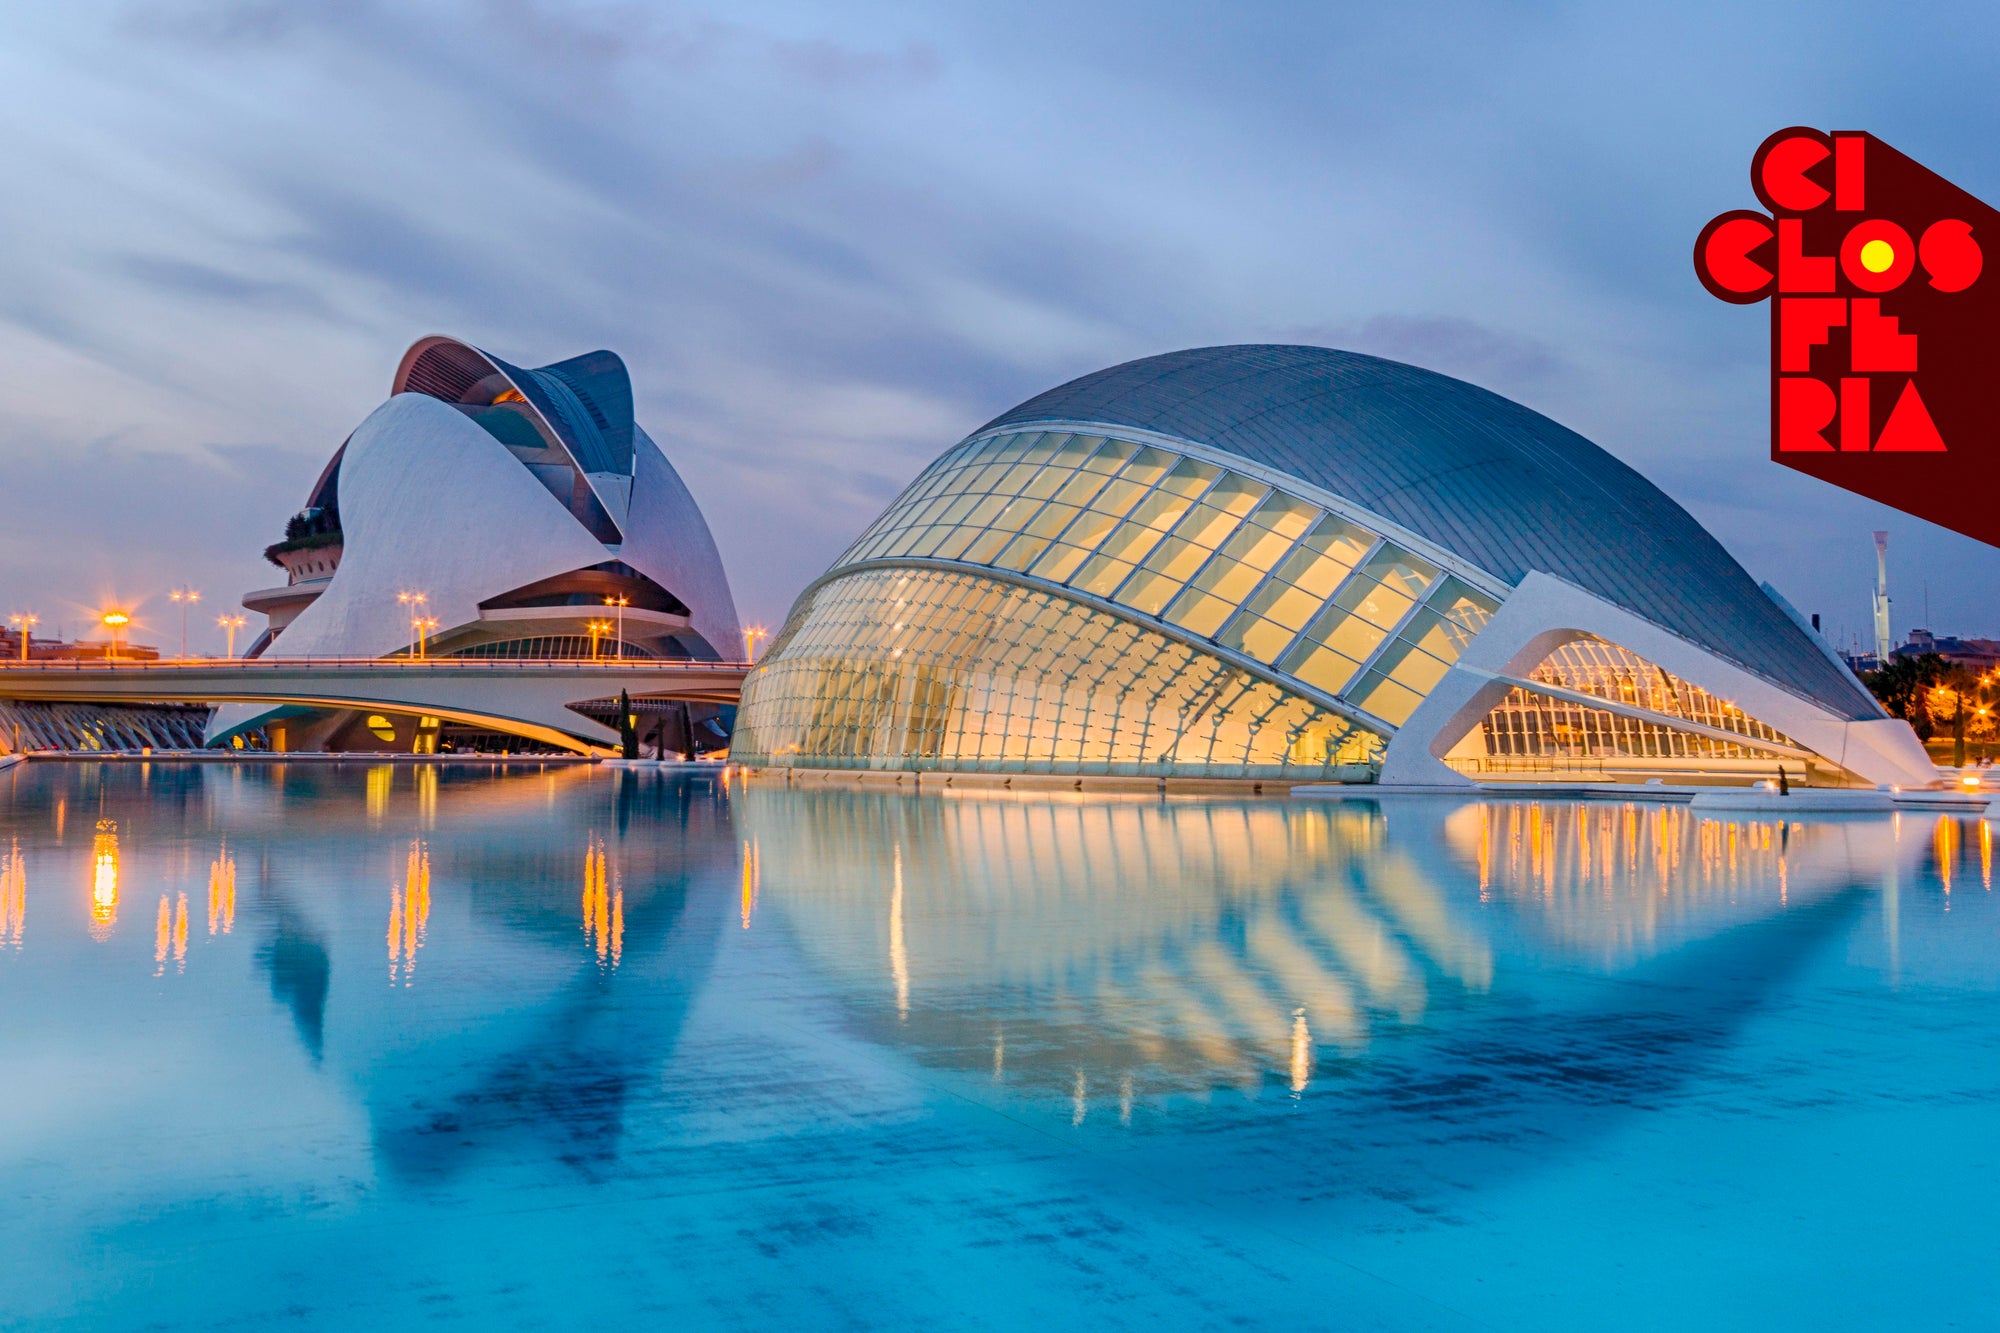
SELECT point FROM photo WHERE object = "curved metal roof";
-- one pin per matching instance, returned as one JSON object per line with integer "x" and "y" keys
{"x": 1480, "y": 475}
{"x": 586, "y": 400}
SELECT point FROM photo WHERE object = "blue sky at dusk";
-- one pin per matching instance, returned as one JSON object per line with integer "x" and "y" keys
{"x": 831, "y": 240}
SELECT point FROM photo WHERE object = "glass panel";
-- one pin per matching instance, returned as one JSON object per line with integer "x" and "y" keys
{"x": 1255, "y": 547}
{"x": 1262, "y": 639}
{"x": 1201, "y": 613}
{"x": 1388, "y": 700}
{"x": 1111, "y": 457}
{"x": 1059, "y": 562}
{"x": 1022, "y": 553}
{"x": 1237, "y": 495}
{"x": 1148, "y": 465}
{"x": 1323, "y": 668}
{"x": 1161, "y": 509}
{"x": 1190, "y": 478}
{"x": 1052, "y": 520}
{"x": 1177, "y": 559}
{"x": 1149, "y": 591}
{"x": 1013, "y": 446}
{"x": 1130, "y": 542}
{"x": 1229, "y": 579}
{"x": 1101, "y": 574}
{"x": 1206, "y": 526}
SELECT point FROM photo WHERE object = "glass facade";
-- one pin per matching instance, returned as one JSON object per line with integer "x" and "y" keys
{"x": 1531, "y": 725}
{"x": 930, "y": 669}
{"x": 1217, "y": 554}
{"x": 1066, "y": 662}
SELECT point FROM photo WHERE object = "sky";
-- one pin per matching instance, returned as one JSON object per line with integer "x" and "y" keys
{"x": 831, "y": 240}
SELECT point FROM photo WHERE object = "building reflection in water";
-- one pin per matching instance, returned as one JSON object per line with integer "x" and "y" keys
{"x": 1087, "y": 945}
{"x": 222, "y": 892}
{"x": 409, "y": 913}
{"x": 1619, "y": 882}
{"x": 603, "y": 906}
{"x": 104, "y": 880}
{"x": 13, "y": 896}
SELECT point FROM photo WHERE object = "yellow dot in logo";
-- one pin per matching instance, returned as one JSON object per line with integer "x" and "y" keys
{"x": 1878, "y": 256}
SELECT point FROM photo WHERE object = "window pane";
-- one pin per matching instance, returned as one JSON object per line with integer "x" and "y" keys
{"x": 1022, "y": 553}
{"x": 1111, "y": 457}
{"x": 1237, "y": 495}
{"x": 1228, "y": 580}
{"x": 1148, "y": 465}
{"x": 1323, "y": 668}
{"x": 1285, "y": 515}
{"x": 1101, "y": 574}
{"x": 1190, "y": 478}
{"x": 1199, "y": 612}
{"x": 1257, "y": 547}
{"x": 1059, "y": 562}
{"x": 1176, "y": 558}
{"x": 1149, "y": 591}
{"x": 1386, "y": 699}
{"x": 1052, "y": 520}
{"x": 1130, "y": 542}
{"x": 1206, "y": 525}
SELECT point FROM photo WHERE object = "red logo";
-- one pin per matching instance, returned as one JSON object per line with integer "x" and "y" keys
{"x": 1882, "y": 333}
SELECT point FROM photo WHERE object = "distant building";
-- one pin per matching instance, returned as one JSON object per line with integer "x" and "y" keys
{"x": 1294, "y": 564}
{"x": 56, "y": 650}
{"x": 515, "y": 513}
{"x": 1981, "y": 655}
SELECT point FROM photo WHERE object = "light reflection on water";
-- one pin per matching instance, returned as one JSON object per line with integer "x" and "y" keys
{"x": 759, "y": 1011}
{"x": 1100, "y": 944}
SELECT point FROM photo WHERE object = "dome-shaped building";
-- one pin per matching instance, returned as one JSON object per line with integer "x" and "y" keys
{"x": 1296, "y": 564}
{"x": 519, "y": 505}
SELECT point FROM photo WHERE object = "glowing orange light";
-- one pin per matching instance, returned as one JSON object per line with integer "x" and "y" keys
{"x": 104, "y": 881}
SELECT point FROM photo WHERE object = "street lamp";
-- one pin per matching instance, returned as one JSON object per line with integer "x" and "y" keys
{"x": 185, "y": 597}
{"x": 750, "y": 637}
{"x": 24, "y": 623}
{"x": 115, "y": 621}
{"x": 421, "y": 626}
{"x": 415, "y": 601}
{"x": 621, "y": 602}
{"x": 598, "y": 629}
{"x": 230, "y": 625}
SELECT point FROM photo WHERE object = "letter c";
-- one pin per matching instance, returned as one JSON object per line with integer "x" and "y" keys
{"x": 1722, "y": 257}
{"x": 1778, "y": 171}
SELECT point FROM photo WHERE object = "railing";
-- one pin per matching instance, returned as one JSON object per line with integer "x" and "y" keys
{"x": 462, "y": 665}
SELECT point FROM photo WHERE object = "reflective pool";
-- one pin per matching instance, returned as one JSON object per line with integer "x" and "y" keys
{"x": 386, "y": 1046}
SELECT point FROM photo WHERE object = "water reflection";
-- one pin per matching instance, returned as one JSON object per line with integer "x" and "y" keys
{"x": 409, "y": 913}
{"x": 1071, "y": 945}
{"x": 13, "y": 896}
{"x": 1622, "y": 882}
{"x": 222, "y": 892}
{"x": 104, "y": 880}
{"x": 603, "y": 906}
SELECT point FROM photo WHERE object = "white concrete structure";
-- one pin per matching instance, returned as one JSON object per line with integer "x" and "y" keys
{"x": 524, "y": 508}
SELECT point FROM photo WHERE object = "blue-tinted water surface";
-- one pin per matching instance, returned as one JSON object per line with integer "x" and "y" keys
{"x": 384, "y": 1047}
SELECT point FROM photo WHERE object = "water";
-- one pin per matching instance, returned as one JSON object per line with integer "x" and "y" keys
{"x": 385, "y": 1047}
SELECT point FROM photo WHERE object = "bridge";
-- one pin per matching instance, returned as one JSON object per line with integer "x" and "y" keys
{"x": 533, "y": 699}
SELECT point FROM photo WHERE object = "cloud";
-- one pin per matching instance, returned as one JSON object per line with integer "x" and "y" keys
{"x": 829, "y": 243}
{"x": 1451, "y": 345}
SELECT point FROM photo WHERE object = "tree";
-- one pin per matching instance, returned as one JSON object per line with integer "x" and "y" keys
{"x": 1905, "y": 685}
{"x": 628, "y": 730}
